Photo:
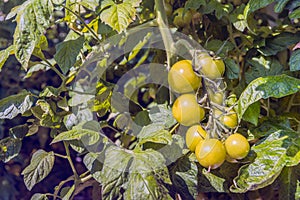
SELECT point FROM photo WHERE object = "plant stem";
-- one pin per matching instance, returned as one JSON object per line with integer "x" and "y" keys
{"x": 174, "y": 128}
{"x": 62, "y": 77}
{"x": 83, "y": 22}
{"x": 61, "y": 156}
{"x": 166, "y": 34}
{"x": 71, "y": 162}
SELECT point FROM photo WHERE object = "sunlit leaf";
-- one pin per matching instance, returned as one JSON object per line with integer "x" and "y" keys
{"x": 265, "y": 87}
{"x": 33, "y": 17}
{"x": 39, "y": 196}
{"x": 272, "y": 155}
{"x": 139, "y": 173}
{"x": 88, "y": 137}
{"x": 40, "y": 166}
{"x": 154, "y": 133}
{"x": 4, "y": 54}
{"x": 119, "y": 16}
{"x": 13, "y": 105}
{"x": 162, "y": 114}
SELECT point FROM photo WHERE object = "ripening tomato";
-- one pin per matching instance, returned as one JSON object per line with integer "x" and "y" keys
{"x": 210, "y": 67}
{"x": 210, "y": 153}
{"x": 237, "y": 146}
{"x": 229, "y": 118}
{"x": 182, "y": 18}
{"x": 216, "y": 97}
{"x": 194, "y": 135}
{"x": 182, "y": 78}
{"x": 187, "y": 111}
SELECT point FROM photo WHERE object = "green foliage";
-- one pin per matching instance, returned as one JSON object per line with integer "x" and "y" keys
{"x": 110, "y": 103}
{"x": 40, "y": 166}
{"x": 13, "y": 105}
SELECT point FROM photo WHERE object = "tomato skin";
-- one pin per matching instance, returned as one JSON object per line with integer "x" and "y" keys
{"x": 193, "y": 136}
{"x": 210, "y": 153}
{"x": 229, "y": 119}
{"x": 210, "y": 67}
{"x": 217, "y": 97}
{"x": 181, "y": 20}
{"x": 187, "y": 111}
{"x": 237, "y": 146}
{"x": 182, "y": 78}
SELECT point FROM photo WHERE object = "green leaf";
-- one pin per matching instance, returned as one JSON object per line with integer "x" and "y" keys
{"x": 280, "y": 5}
{"x": 90, "y": 4}
{"x": 184, "y": 176}
{"x": 162, "y": 114}
{"x": 40, "y": 166}
{"x": 262, "y": 66}
{"x": 13, "y": 105}
{"x": 194, "y": 4}
{"x": 265, "y": 87}
{"x": 67, "y": 52}
{"x": 288, "y": 182}
{"x": 33, "y": 17}
{"x": 9, "y": 148}
{"x": 217, "y": 182}
{"x": 19, "y": 131}
{"x": 101, "y": 102}
{"x": 154, "y": 133}
{"x": 4, "y": 54}
{"x": 69, "y": 191}
{"x": 297, "y": 194}
{"x": 39, "y": 196}
{"x": 45, "y": 112}
{"x": 119, "y": 16}
{"x": 139, "y": 173}
{"x": 93, "y": 162}
{"x": 219, "y": 46}
{"x": 272, "y": 155}
{"x": 221, "y": 10}
{"x": 295, "y": 14}
{"x": 50, "y": 91}
{"x": 88, "y": 137}
{"x": 232, "y": 69}
{"x": 39, "y": 66}
{"x": 295, "y": 61}
{"x": 279, "y": 43}
{"x": 252, "y": 113}
{"x": 257, "y": 4}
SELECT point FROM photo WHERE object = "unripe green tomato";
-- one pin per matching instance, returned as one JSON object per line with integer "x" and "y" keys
{"x": 229, "y": 119}
{"x": 193, "y": 136}
{"x": 210, "y": 153}
{"x": 237, "y": 146}
{"x": 217, "y": 97}
{"x": 182, "y": 78}
{"x": 187, "y": 111}
{"x": 210, "y": 67}
{"x": 182, "y": 19}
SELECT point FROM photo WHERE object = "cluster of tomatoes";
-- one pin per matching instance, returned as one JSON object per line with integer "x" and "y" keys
{"x": 216, "y": 142}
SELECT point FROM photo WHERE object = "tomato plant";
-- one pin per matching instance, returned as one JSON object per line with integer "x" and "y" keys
{"x": 99, "y": 98}
{"x": 182, "y": 78}
{"x": 187, "y": 111}
{"x": 237, "y": 146}
{"x": 193, "y": 136}
{"x": 210, "y": 153}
